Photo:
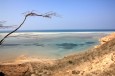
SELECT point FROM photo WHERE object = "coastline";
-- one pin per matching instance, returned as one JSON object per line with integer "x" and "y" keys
{"x": 94, "y": 62}
{"x": 25, "y": 43}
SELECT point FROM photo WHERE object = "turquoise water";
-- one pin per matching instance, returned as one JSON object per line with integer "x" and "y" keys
{"x": 47, "y": 44}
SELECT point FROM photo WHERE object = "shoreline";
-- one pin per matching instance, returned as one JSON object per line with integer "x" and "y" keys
{"x": 44, "y": 36}
{"x": 59, "y": 33}
{"x": 98, "y": 61}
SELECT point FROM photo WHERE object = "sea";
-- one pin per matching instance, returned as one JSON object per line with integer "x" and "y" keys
{"x": 50, "y": 44}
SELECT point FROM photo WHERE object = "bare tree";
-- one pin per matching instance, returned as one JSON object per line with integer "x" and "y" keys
{"x": 46, "y": 15}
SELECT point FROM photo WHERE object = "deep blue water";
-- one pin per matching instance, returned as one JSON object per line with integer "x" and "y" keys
{"x": 64, "y": 30}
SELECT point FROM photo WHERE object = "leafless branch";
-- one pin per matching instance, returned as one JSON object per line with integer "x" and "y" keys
{"x": 46, "y": 15}
{"x": 32, "y": 13}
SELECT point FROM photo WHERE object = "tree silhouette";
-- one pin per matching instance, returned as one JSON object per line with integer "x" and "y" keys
{"x": 46, "y": 15}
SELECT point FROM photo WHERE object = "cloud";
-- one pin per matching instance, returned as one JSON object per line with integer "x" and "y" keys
{"x": 6, "y": 27}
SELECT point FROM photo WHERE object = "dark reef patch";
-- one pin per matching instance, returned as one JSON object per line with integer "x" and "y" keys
{"x": 36, "y": 44}
{"x": 67, "y": 45}
{"x": 10, "y": 44}
{"x": 73, "y": 45}
{"x": 89, "y": 43}
{"x": 81, "y": 44}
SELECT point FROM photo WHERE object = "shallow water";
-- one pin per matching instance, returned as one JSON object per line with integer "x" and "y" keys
{"x": 47, "y": 45}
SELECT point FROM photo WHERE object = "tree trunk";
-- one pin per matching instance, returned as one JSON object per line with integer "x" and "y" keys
{"x": 13, "y": 31}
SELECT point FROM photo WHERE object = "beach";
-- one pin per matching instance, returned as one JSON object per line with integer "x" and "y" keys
{"x": 50, "y": 45}
{"x": 98, "y": 61}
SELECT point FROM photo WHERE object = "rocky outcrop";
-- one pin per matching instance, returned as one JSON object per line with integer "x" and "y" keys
{"x": 107, "y": 38}
{"x": 14, "y": 69}
{"x": 94, "y": 62}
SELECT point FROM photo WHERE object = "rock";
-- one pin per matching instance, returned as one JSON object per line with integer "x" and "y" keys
{"x": 2, "y": 74}
{"x": 107, "y": 38}
{"x": 36, "y": 71}
{"x": 75, "y": 72}
{"x": 13, "y": 69}
{"x": 33, "y": 74}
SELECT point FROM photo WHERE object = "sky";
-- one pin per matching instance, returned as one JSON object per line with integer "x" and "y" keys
{"x": 75, "y": 14}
